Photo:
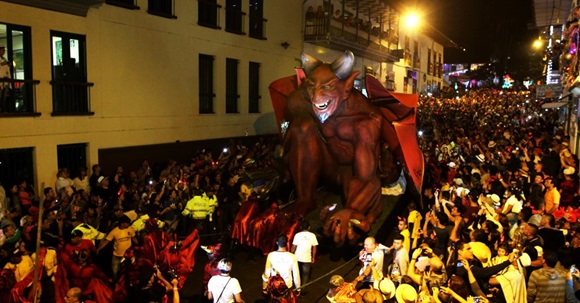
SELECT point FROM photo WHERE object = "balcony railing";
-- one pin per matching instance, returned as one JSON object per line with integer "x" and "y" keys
{"x": 369, "y": 39}
{"x": 17, "y": 97}
{"x": 71, "y": 98}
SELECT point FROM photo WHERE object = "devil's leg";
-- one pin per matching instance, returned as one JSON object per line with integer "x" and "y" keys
{"x": 305, "y": 161}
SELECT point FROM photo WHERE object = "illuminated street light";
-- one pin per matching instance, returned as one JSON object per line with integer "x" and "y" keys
{"x": 537, "y": 44}
{"x": 412, "y": 20}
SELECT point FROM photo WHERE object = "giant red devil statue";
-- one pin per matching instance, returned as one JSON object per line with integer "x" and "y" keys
{"x": 333, "y": 132}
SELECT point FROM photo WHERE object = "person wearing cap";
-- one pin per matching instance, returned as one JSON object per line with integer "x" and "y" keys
{"x": 20, "y": 263}
{"x": 551, "y": 196}
{"x": 369, "y": 295}
{"x": 406, "y": 293}
{"x": 223, "y": 288}
{"x": 77, "y": 243}
{"x": 89, "y": 232}
{"x": 568, "y": 187}
{"x": 122, "y": 236}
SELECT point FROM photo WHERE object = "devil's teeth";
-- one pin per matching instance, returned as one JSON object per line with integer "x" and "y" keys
{"x": 322, "y": 106}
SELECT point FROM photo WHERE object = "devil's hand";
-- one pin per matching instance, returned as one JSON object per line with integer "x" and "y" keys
{"x": 341, "y": 225}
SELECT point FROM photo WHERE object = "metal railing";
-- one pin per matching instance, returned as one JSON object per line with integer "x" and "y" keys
{"x": 17, "y": 96}
{"x": 373, "y": 38}
{"x": 71, "y": 98}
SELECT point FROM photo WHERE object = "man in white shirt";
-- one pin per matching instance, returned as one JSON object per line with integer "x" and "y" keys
{"x": 372, "y": 251}
{"x": 283, "y": 262}
{"x": 400, "y": 258}
{"x": 304, "y": 248}
{"x": 222, "y": 288}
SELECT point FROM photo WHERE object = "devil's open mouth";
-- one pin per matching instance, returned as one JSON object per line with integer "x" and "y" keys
{"x": 323, "y": 106}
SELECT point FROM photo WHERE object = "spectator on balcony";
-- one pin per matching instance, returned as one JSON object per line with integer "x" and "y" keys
{"x": 338, "y": 15}
{"x": 82, "y": 180}
{"x": 310, "y": 13}
{"x": 71, "y": 72}
{"x": 4, "y": 74}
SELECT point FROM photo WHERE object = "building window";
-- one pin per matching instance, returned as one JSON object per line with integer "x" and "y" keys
{"x": 130, "y": 4}
{"x": 407, "y": 57}
{"x": 162, "y": 8}
{"x": 208, "y": 13}
{"x": 16, "y": 164}
{"x": 257, "y": 21}
{"x": 70, "y": 89}
{"x": 254, "y": 89}
{"x": 429, "y": 66}
{"x": 206, "y": 93}
{"x": 72, "y": 156}
{"x": 439, "y": 67}
{"x": 16, "y": 83}
{"x": 416, "y": 59}
{"x": 232, "y": 86}
{"x": 234, "y": 16}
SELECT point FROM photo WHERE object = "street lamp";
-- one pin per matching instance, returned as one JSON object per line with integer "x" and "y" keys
{"x": 412, "y": 20}
{"x": 538, "y": 43}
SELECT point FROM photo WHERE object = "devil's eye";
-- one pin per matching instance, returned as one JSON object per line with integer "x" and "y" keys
{"x": 327, "y": 87}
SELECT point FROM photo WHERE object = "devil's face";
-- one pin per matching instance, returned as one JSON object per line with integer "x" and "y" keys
{"x": 325, "y": 90}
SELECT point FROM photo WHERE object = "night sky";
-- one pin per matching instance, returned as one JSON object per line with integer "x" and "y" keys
{"x": 485, "y": 28}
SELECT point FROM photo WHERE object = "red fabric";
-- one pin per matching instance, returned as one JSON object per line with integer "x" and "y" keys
{"x": 88, "y": 277}
{"x": 61, "y": 282}
{"x": 403, "y": 116}
{"x": 84, "y": 245}
{"x": 17, "y": 293}
{"x": 278, "y": 291}
{"x": 410, "y": 151}
{"x": 7, "y": 282}
{"x": 153, "y": 243}
{"x": 129, "y": 273}
{"x": 280, "y": 90}
{"x": 240, "y": 230}
{"x": 181, "y": 261}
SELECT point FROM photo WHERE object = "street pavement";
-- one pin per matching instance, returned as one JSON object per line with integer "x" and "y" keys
{"x": 248, "y": 264}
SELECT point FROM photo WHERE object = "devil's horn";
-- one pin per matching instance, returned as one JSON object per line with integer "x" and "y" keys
{"x": 342, "y": 67}
{"x": 309, "y": 63}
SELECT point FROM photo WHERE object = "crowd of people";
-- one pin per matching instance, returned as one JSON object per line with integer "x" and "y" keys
{"x": 497, "y": 222}
{"x": 117, "y": 236}
{"x": 500, "y": 216}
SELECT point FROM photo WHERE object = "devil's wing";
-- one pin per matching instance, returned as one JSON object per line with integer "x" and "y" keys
{"x": 400, "y": 112}
{"x": 280, "y": 90}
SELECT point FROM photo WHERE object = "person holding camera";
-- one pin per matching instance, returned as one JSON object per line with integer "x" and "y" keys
{"x": 153, "y": 287}
{"x": 372, "y": 254}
